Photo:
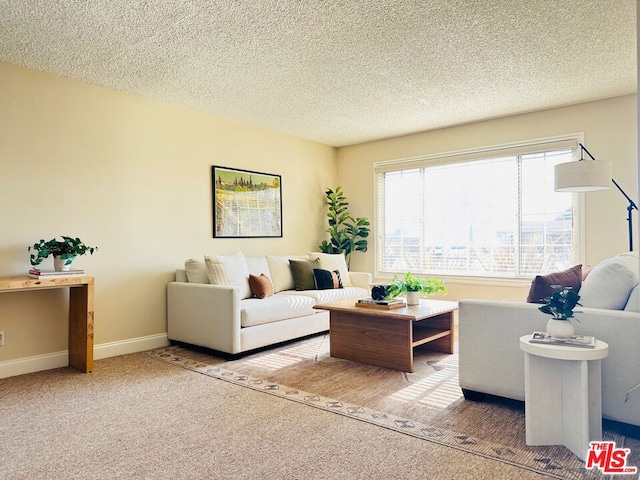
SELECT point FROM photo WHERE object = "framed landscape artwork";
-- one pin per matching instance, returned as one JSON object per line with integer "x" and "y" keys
{"x": 246, "y": 203}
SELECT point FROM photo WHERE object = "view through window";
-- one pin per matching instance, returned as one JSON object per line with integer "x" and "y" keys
{"x": 495, "y": 217}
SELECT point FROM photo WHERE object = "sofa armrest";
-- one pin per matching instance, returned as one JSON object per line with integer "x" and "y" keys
{"x": 361, "y": 279}
{"x": 205, "y": 315}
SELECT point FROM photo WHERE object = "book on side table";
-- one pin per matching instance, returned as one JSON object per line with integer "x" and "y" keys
{"x": 582, "y": 341}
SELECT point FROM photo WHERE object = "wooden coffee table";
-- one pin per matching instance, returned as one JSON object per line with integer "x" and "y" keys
{"x": 387, "y": 337}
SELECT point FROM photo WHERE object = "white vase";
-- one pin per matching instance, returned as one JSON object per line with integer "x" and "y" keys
{"x": 413, "y": 298}
{"x": 59, "y": 264}
{"x": 560, "y": 328}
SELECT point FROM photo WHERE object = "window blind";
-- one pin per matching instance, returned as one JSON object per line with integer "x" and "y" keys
{"x": 490, "y": 215}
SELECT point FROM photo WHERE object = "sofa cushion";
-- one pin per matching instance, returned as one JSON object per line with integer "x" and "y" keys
{"x": 326, "y": 279}
{"x": 254, "y": 311}
{"x": 258, "y": 265}
{"x": 302, "y": 271}
{"x": 610, "y": 283}
{"x": 333, "y": 261}
{"x": 261, "y": 286}
{"x": 542, "y": 285}
{"x": 280, "y": 271}
{"x": 329, "y": 296}
{"x": 230, "y": 270}
{"x": 196, "y": 271}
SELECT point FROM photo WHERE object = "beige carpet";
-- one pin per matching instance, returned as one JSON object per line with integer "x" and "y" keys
{"x": 137, "y": 418}
{"x": 426, "y": 404}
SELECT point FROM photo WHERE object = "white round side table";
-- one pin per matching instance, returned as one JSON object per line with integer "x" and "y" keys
{"x": 563, "y": 399}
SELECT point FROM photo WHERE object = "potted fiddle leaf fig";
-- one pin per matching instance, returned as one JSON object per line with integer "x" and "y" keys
{"x": 348, "y": 234}
{"x": 560, "y": 305}
{"x": 413, "y": 287}
{"x": 64, "y": 250}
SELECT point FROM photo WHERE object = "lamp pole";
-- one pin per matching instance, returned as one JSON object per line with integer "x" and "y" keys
{"x": 630, "y": 208}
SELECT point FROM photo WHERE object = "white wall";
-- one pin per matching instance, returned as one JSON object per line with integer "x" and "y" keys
{"x": 132, "y": 177}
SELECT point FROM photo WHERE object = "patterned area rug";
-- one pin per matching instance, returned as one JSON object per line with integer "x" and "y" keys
{"x": 424, "y": 404}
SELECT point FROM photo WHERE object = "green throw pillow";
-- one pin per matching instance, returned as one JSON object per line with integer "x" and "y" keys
{"x": 302, "y": 272}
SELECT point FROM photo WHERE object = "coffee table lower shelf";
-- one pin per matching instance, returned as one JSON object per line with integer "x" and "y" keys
{"x": 428, "y": 335}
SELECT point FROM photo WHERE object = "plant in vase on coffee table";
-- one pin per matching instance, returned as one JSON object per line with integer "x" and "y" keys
{"x": 560, "y": 305}
{"x": 413, "y": 287}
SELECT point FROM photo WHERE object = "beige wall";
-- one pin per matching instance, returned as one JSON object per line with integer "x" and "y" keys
{"x": 610, "y": 133}
{"x": 130, "y": 176}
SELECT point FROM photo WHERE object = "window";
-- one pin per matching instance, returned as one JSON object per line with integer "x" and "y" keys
{"x": 490, "y": 213}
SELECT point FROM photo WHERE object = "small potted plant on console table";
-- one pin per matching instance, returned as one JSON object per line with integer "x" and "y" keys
{"x": 64, "y": 251}
{"x": 413, "y": 287}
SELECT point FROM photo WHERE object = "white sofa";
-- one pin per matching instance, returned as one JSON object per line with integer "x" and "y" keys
{"x": 226, "y": 319}
{"x": 491, "y": 361}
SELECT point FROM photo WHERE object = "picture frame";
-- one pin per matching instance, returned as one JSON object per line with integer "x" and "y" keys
{"x": 246, "y": 204}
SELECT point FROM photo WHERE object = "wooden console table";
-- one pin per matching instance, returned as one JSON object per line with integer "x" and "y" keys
{"x": 80, "y": 312}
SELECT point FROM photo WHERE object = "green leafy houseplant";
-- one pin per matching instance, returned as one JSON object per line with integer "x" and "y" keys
{"x": 348, "y": 234}
{"x": 560, "y": 304}
{"x": 67, "y": 249}
{"x": 427, "y": 286}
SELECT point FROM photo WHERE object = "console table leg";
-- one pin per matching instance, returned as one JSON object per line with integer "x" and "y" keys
{"x": 81, "y": 327}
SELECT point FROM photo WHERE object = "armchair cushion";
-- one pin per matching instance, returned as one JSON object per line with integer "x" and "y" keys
{"x": 610, "y": 283}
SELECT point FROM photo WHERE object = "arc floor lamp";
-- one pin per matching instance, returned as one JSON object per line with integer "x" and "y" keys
{"x": 589, "y": 176}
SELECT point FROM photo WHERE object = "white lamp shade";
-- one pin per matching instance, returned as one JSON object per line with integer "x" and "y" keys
{"x": 582, "y": 176}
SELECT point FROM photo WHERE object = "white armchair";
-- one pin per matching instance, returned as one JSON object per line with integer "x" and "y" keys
{"x": 491, "y": 361}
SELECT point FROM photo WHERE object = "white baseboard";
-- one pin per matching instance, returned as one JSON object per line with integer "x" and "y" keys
{"x": 133, "y": 345}
{"x": 48, "y": 361}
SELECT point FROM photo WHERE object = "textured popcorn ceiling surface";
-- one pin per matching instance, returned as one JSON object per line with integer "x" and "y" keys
{"x": 338, "y": 72}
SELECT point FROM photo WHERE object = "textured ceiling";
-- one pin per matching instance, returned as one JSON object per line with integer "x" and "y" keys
{"x": 338, "y": 72}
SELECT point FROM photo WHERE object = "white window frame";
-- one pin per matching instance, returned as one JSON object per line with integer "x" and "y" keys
{"x": 562, "y": 141}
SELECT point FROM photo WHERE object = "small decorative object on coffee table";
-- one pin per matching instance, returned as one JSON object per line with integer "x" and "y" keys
{"x": 560, "y": 306}
{"x": 379, "y": 292}
{"x": 413, "y": 287}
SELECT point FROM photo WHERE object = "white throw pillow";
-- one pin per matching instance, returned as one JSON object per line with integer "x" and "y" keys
{"x": 230, "y": 270}
{"x": 610, "y": 282}
{"x": 258, "y": 265}
{"x": 333, "y": 261}
{"x": 196, "y": 271}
